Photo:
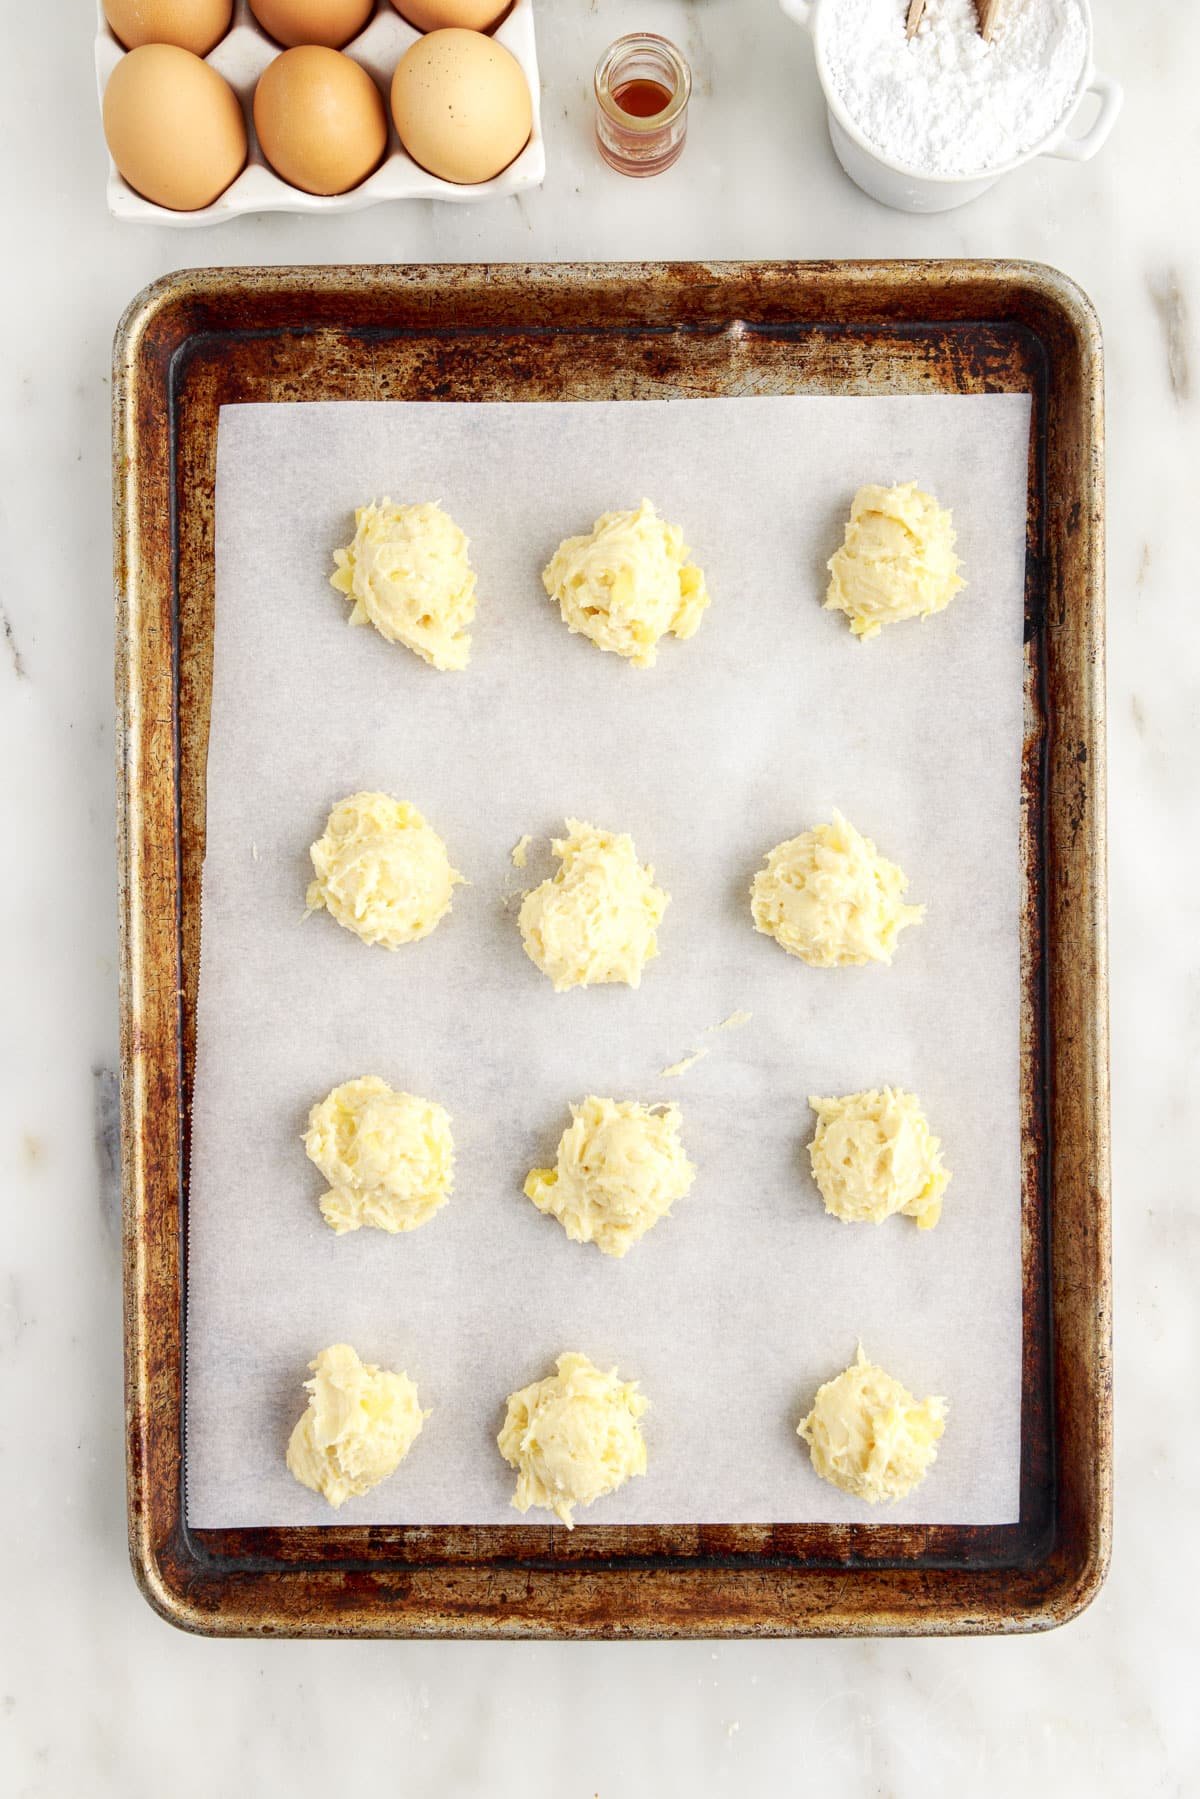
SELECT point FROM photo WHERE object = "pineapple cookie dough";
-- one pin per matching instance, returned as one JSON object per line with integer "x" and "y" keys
{"x": 597, "y": 919}
{"x": 869, "y": 1436}
{"x": 381, "y": 871}
{"x": 408, "y": 572}
{"x": 831, "y": 899}
{"x": 627, "y": 583}
{"x": 388, "y": 1156}
{"x": 896, "y": 561}
{"x": 874, "y": 1154}
{"x": 621, "y": 1167}
{"x": 573, "y": 1437}
{"x": 360, "y": 1424}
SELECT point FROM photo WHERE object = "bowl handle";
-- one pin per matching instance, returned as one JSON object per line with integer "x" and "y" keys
{"x": 800, "y": 10}
{"x": 1081, "y": 149}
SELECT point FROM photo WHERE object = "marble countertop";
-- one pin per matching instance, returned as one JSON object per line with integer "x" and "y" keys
{"x": 97, "y": 1696}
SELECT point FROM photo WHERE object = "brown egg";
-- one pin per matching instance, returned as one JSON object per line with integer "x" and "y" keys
{"x": 436, "y": 15}
{"x": 194, "y": 25}
{"x": 173, "y": 126}
{"x": 328, "y": 22}
{"x": 320, "y": 119}
{"x": 461, "y": 105}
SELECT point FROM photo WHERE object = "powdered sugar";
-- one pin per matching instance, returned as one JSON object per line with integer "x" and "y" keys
{"x": 945, "y": 102}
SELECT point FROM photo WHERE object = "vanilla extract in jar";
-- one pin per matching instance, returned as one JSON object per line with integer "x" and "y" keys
{"x": 640, "y": 99}
{"x": 643, "y": 86}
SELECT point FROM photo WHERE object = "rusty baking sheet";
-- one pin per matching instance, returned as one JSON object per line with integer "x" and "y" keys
{"x": 195, "y": 341}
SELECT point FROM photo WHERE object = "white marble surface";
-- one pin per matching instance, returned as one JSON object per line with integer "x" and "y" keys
{"x": 97, "y": 1696}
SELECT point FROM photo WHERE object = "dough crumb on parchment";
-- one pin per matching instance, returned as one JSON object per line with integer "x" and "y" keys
{"x": 734, "y": 1022}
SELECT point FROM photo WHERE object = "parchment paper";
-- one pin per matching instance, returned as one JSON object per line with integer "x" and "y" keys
{"x": 732, "y": 1311}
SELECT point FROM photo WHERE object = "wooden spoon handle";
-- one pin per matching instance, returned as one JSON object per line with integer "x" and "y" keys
{"x": 989, "y": 14}
{"x": 915, "y": 10}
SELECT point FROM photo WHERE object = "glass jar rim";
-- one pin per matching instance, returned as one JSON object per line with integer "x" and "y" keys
{"x": 626, "y": 47}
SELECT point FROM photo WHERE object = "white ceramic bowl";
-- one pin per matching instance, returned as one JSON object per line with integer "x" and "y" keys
{"x": 241, "y": 57}
{"x": 910, "y": 190}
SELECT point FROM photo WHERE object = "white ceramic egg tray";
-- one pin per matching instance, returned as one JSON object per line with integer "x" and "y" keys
{"x": 241, "y": 57}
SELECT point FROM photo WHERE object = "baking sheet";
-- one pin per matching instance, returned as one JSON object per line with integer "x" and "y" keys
{"x": 732, "y": 1311}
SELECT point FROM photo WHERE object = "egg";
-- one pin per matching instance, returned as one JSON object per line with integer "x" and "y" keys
{"x": 433, "y": 15}
{"x": 320, "y": 119}
{"x": 173, "y": 126}
{"x": 194, "y": 25}
{"x": 328, "y": 22}
{"x": 461, "y": 105}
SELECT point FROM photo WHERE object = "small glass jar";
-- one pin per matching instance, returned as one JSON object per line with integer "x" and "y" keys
{"x": 643, "y": 86}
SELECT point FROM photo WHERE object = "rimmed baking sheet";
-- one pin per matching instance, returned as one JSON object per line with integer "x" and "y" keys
{"x": 202, "y": 341}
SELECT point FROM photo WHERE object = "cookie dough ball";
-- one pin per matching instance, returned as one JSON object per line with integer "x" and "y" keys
{"x": 597, "y": 919}
{"x": 831, "y": 899}
{"x": 869, "y": 1436}
{"x": 874, "y": 1154}
{"x": 381, "y": 871}
{"x": 896, "y": 561}
{"x": 621, "y": 1167}
{"x": 573, "y": 1437}
{"x": 360, "y": 1424}
{"x": 627, "y": 583}
{"x": 409, "y": 575}
{"x": 388, "y": 1156}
